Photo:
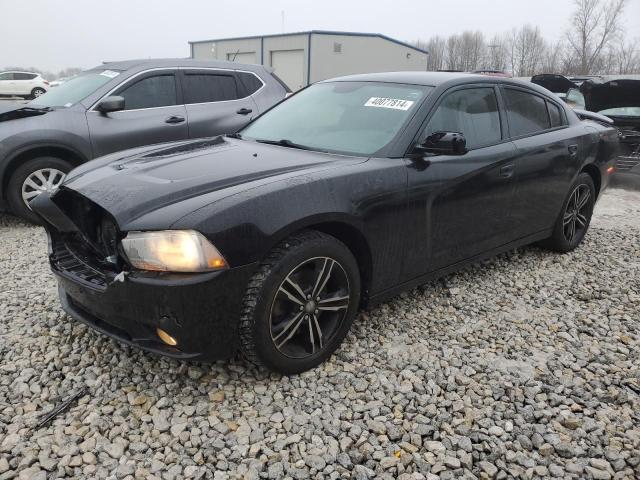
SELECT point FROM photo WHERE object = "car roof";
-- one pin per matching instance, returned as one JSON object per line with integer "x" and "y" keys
{"x": 144, "y": 64}
{"x": 19, "y": 71}
{"x": 434, "y": 79}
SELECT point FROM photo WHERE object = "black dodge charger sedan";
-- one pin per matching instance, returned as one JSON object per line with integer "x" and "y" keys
{"x": 268, "y": 241}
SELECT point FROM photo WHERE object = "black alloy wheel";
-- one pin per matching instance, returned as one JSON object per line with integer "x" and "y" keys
{"x": 309, "y": 307}
{"x": 573, "y": 223}
{"x": 300, "y": 303}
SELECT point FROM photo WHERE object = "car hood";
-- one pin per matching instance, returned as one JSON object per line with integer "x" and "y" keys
{"x": 612, "y": 94}
{"x": 554, "y": 83}
{"x": 131, "y": 186}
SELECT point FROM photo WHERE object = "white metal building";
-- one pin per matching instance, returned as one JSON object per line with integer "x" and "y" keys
{"x": 307, "y": 57}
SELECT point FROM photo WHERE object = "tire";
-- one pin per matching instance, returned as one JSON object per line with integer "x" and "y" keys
{"x": 36, "y": 92}
{"x": 14, "y": 188}
{"x": 293, "y": 335}
{"x": 561, "y": 240}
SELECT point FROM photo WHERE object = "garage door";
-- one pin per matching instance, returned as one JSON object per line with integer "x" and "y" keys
{"x": 242, "y": 57}
{"x": 289, "y": 66}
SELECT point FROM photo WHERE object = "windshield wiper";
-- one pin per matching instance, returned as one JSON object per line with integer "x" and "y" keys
{"x": 35, "y": 109}
{"x": 233, "y": 135}
{"x": 288, "y": 143}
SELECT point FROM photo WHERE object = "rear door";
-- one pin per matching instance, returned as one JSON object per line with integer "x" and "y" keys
{"x": 24, "y": 83}
{"x": 549, "y": 155}
{"x": 153, "y": 113}
{"x": 217, "y": 102}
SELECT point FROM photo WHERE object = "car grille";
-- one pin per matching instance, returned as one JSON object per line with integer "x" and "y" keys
{"x": 630, "y": 140}
{"x": 71, "y": 262}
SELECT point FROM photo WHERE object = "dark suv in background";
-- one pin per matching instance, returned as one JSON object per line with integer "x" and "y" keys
{"x": 121, "y": 105}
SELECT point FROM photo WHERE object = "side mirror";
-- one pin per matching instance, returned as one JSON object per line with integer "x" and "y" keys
{"x": 443, "y": 143}
{"x": 113, "y": 103}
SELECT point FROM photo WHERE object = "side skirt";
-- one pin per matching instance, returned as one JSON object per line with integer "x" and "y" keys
{"x": 393, "y": 291}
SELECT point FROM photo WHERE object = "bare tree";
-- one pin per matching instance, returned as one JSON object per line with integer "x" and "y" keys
{"x": 594, "y": 24}
{"x": 527, "y": 48}
{"x": 436, "y": 46}
{"x": 497, "y": 53}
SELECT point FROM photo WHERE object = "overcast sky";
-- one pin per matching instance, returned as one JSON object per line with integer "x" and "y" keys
{"x": 52, "y": 35}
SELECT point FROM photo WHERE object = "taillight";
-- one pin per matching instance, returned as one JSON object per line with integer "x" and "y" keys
{"x": 45, "y": 82}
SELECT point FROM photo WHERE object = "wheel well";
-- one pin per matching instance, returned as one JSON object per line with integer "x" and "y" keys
{"x": 594, "y": 173}
{"x": 357, "y": 244}
{"x": 58, "y": 152}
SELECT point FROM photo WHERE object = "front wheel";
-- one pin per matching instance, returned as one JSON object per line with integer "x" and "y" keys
{"x": 37, "y": 176}
{"x": 573, "y": 223}
{"x": 300, "y": 304}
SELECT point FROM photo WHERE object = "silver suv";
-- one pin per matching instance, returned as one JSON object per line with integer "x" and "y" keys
{"x": 121, "y": 105}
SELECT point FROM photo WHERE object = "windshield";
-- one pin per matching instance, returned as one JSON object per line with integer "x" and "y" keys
{"x": 343, "y": 117}
{"x": 622, "y": 112}
{"x": 75, "y": 89}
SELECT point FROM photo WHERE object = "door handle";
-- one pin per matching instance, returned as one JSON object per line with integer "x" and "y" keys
{"x": 244, "y": 111}
{"x": 507, "y": 171}
{"x": 573, "y": 150}
{"x": 174, "y": 119}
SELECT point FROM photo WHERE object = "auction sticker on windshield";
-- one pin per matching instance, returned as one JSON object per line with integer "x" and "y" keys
{"x": 394, "y": 103}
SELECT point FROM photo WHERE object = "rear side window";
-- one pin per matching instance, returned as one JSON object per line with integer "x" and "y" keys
{"x": 150, "y": 92}
{"x": 24, "y": 76}
{"x": 527, "y": 112}
{"x": 6, "y": 76}
{"x": 472, "y": 112}
{"x": 207, "y": 87}
{"x": 555, "y": 115}
{"x": 250, "y": 82}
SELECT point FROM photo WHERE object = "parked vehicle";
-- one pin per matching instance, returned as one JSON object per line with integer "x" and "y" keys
{"x": 558, "y": 84}
{"x": 619, "y": 100}
{"x": 122, "y": 105}
{"x": 22, "y": 84}
{"x": 345, "y": 194}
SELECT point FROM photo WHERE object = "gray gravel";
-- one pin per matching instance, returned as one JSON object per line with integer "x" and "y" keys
{"x": 525, "y": 366}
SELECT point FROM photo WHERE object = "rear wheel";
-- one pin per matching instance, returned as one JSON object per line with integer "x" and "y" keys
{"x": 573, "y": 223}
{"x": 37, "y": 176}
{"x": 36, "y": 92}
{"x": 300, "y": 304}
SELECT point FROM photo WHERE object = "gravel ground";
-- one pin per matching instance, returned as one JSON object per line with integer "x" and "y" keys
{"x": 524, "y": 366}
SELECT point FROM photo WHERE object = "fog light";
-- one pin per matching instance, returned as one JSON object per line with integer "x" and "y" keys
{"x": 166, "y": 338}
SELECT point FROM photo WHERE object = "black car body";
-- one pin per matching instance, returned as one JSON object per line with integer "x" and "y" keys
{"x": 405, "y": 213}
{"x": 121, "y": 105}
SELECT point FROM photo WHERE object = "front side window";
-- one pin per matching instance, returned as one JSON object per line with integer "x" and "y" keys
{"x": 344, "y": 117}
{"x": 150, "y": 92}
{"x": 472, "y": 112}
{"x": 207, "y": 87}
{"x": 527, "y": 112}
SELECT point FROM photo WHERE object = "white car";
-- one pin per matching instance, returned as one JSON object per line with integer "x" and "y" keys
{"x": 22, "y": 84}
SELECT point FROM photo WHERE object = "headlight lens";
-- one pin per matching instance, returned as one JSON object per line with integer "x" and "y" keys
{"x": 172, "y": 251}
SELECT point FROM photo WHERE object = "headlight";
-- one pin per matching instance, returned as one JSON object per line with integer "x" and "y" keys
{"x": 172, "y": 251}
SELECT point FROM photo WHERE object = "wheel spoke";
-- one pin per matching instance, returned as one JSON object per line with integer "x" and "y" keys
{"x": 567, "y": 218}
{"x": 583, "y": 200}
{"x": 323, "y": 277}
{"x": 297, "y": 288}
{"x": 290, "y": 296}
{"x": 31, "y": 194}
{"x": 318, "y": 330}
{"x": 333, "y": 304}
{"x": 290, "y": 329}
{"x": 581, "y": 219}
{"x": 31, "y": 184}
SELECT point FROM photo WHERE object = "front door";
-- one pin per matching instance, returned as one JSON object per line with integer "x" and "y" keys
{"x": 462, "y": 204}
{"x": 153, "y": 113}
